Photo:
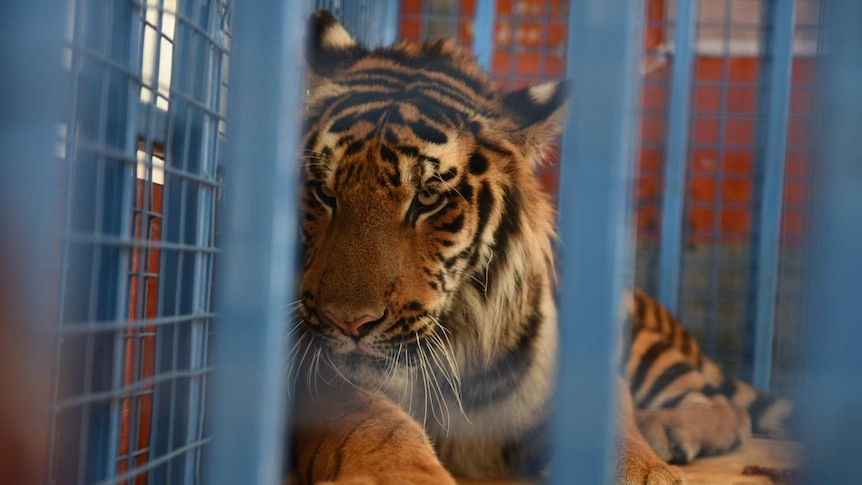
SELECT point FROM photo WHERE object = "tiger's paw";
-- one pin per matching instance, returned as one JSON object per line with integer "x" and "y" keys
{"x": 440, "y": 477}
{"x": 657, "y": 473}
{"x": 680, "y": 435}
{"x": 638, "y": 465}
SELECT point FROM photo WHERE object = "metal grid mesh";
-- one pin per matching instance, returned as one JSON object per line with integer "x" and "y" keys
{"x": 724, "y": 172}
{"x": 789, "y": 332}
{"x": 437, "y": 19}
{"x": 139, "y": 158}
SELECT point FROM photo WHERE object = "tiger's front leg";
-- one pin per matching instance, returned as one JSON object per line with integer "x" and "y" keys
{"x": 636, "y": 462}
{"x": 349, "y": 436}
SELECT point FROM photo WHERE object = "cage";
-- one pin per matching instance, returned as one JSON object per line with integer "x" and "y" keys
{"x": 714, "y": 123}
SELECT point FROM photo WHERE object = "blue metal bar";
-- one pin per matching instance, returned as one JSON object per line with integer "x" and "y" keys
{"x": 483, "y": 32}
{"x": 598, "y": 150}
{"x": 184, "y": 206}
{"x": 833, "y": 393}
{"x": 30, "y": 109}
{"x": 781, "y": 15}
{"x": 390, "y": 22}
{"x": 247, "y": 399}
{"x": 673, "y": 199}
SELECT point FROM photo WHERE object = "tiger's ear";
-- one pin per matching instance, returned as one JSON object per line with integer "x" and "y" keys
{"x": 539, "y": 113}
{"x": 329, "y": 48}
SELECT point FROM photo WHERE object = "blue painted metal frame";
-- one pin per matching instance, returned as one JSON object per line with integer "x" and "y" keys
{"x": 673, "y": 199}
{"x": 483, "y": 32}
{"x": 833, "y": 393}
{"x": 30, "y": 107}
{"x": 177, "y": 402}
{"x": 247, "y": 401}
{"x": 781, "y": 15}
{"x": 596, "y": 175}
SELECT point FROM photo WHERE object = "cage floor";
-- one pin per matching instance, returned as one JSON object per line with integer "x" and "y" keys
{"x": 725, "y": 469}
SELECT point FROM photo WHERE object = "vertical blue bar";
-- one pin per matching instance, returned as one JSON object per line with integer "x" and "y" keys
{"x": 34, "y": 86}
{"x": 673, "y": 199}
{"x": 483, "y": 32}
{"x": 248, "y": 396}
{"x": 391, "y": 23}
{"x": 598, "y": 150}
{"x": 833, "y": 390}
{"x": 781, "y": 16}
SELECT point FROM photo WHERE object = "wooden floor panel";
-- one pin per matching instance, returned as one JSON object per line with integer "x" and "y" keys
{"x": 727, "y": 469}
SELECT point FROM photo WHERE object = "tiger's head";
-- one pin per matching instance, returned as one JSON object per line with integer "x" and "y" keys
{"x": 422, "y": 218}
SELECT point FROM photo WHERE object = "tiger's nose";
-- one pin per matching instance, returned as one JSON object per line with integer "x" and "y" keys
{"x": 356, "y": 328}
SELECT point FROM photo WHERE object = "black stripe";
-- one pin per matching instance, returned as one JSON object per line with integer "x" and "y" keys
{"x": 418, "y": 80}
{"x": 354, "y": 99}
{"x": 710, "y": 391}
{"x": 498, "y": 381}
{"x": 364, "y": 79}
{"x": 375, "y": 115}
{"x": 627, "y": 348}
{"x": 448, "y": 175}
{"x": 436, "y": 109}
{"x": 309, "y": 472}
{"x": 647, "y": 360}
{"x": 760, "y": 404}
{"x": 342, "y": 124}
{"x": 510, "y": 227}
{"x": 388, "y": 155}
{"x": 675, "y": 402}
{"x": 465, "y": 190}
{"x": 456, "y": 225}
{"x": 423, "y": 81}
{"x": 354, "y": 148}
{"x": 339, "y": 451}
{"x": 427, "y": 132}
{"x": 489, "y": 145}
{"x": 432, "y": 59}
{"x": 478, "y": 163}
{"x": 485, "y": 202}
{"x": 687, "y": 339}
{"x": 406, "y": 150}
{"x": 728, "y": 388}
{"x": 669, "y": 375}
{"x": 377, "y": 74}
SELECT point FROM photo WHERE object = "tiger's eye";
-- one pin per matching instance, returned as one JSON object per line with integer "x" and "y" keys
{"x": 326, "y": 191}
{"x": 427, "y": 198}
{"x": 324, "y": 194}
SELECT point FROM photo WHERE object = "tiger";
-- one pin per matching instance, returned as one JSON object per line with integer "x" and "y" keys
{"x": 426, "y": 343}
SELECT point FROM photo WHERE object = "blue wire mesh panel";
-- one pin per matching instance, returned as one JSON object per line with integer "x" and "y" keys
{"x": 140, "y": 145}
{"x": 437, "y": 19}
{"x": 796, "y": 219}
{"x": 708, "y": 197}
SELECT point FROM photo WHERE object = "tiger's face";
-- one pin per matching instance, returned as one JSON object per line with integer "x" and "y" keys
{"x": 417, "y": 175}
